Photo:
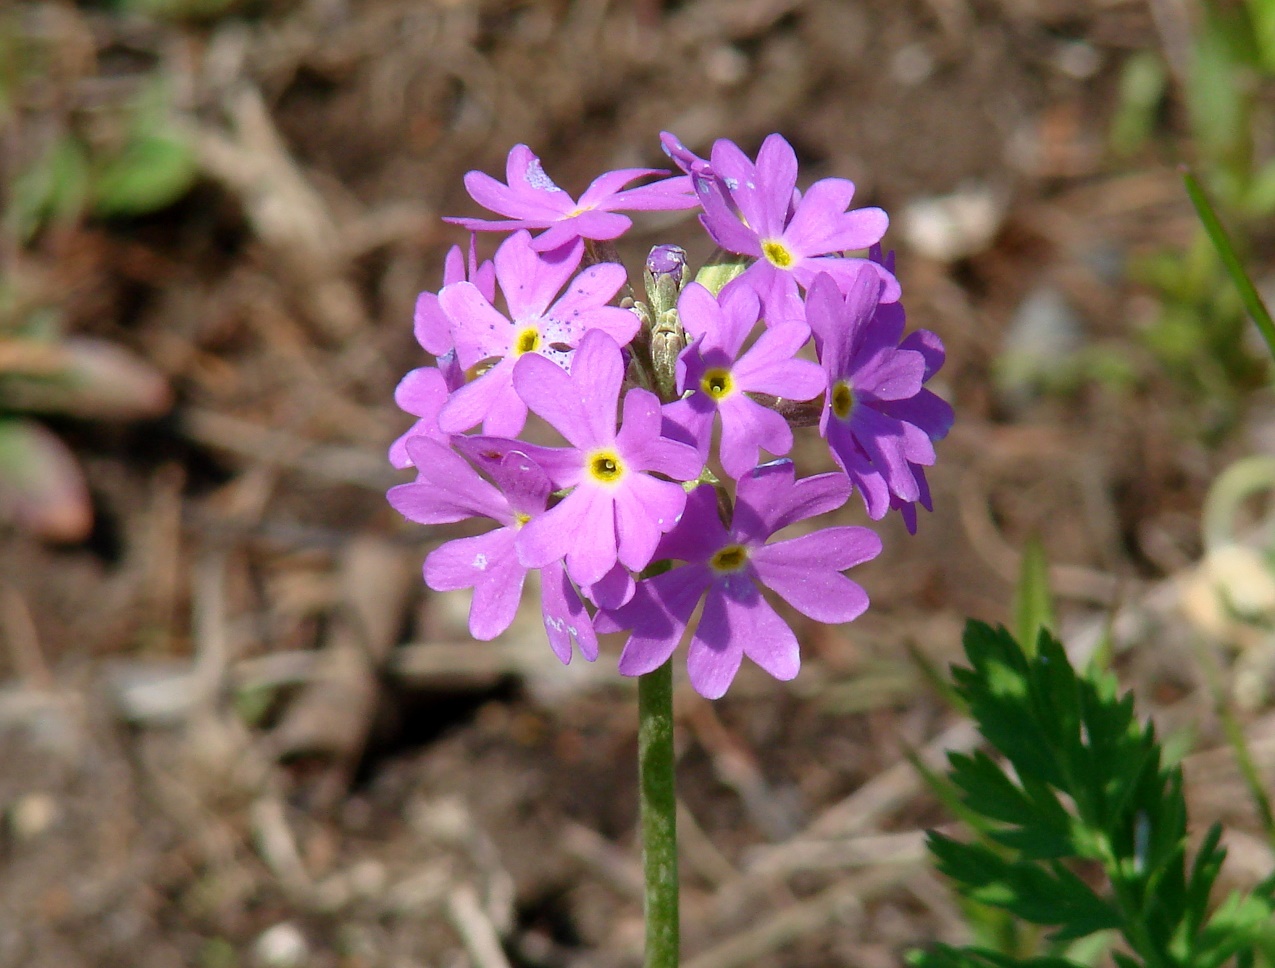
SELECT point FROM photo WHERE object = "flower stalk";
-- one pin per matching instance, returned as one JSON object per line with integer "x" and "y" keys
{"x": 657, "y": 803}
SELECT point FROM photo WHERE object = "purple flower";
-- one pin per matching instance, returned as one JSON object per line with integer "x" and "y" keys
{"x": 720, "y": 378}
{"x": 749, "y": 209}
{"x": 878, "y": 419}
{"x": 617, "y": 510}
{"x": 433, "y": 331}
{"x": 682, "y": 156}
{"x": 446, "y": 490}
{"x": 729, "y": 568}
{"x": 422, "y": 393}
{"x": 540, "y": 322}
{"x": 530, "y": 200}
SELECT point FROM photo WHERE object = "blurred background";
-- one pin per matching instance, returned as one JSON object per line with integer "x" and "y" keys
{"x": 235, "y": 729}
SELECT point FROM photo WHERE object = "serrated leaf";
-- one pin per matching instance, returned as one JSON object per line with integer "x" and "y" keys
{"x": 1240, "y": 922}
{"x": 1048, "y": 895}
{"x": 946, "y": 956}
{"x": 988, "y": 790}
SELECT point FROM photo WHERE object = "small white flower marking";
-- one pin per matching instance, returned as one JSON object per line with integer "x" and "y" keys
{"x": 538, "y": 180}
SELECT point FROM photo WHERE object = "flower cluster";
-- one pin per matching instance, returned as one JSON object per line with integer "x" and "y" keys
{"x": 661, "y": 496}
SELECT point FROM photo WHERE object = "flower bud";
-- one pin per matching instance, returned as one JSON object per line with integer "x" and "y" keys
{"x": 665, "y": 276}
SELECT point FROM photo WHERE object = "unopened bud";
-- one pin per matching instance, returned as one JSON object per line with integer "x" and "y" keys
{"x": 665, "y": 276}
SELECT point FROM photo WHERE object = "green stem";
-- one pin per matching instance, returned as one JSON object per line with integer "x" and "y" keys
{"x": 658, "y": 806}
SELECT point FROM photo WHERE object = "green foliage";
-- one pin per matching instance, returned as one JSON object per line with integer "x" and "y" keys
{"x": 151, "y": 173}
{"x": 1199, "y": 333}
{"x": 1033, "y": 602}
{"x": 1143, "y": 80}
{"x": 1081, "y": 823}
{"x": 152, "y": 167}
{"x": 1225, "y": 249}
{"x": 54, "y": 189}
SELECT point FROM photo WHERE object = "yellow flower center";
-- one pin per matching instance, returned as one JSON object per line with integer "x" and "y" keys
{"x": 777, "y": 253}
{"x": 717, "y": 383}
{"x": 605, "y": 467}
{"x": 520, "y": 519}
{"x": 842, "y": 400}
{"x": 527, "y": 342}
{"x": 732, "y": 558}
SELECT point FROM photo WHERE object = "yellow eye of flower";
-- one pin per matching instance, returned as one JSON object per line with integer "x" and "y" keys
{"x": 528, "y": 341}
{"x": 728, "y": 559}
{"x": 777, "y": 253}
{"x": 842, "y": 400}
{"x": 520, "y": 519}
{"x": 717, "y": 383}
{"x": 605, "y": 467}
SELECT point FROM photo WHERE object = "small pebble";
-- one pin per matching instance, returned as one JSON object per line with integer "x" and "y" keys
{"x": 32, "y": 815}
{"x": 951, "y": 227}
{"x": 282, "y": 946}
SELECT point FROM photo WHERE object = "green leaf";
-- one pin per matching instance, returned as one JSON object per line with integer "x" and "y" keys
{"x": 53, "y": 189}
{"x": 1217, "y": 234}
{"x": 1240, "y": 922}
{"x": 151, "y": 173}
{"x": 1086, "y": 781}
{"x": 1218, "y": 104}
{"x": 1039, "y": 893}
{"x": 1033, "y": 602}
{"x": 1262, "y": 16}
{"x": 1143, "y": 81}
{"x": 946, "y": 956}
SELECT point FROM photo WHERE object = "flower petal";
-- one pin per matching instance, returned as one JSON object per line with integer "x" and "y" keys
{"x": 565, "y": 618}
{"x": 768, "y": 499}
{"x": 645, "y": 508}
{"x": 657, "y": 614}
{"x": 446, "y": 488}
{"x": 487, "y": 564}
{"x": 746, "y": 426}
{"x": 806, "y": 571}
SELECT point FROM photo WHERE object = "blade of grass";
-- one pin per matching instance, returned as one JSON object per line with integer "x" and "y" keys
{"x": 1235, "y": 268}
{"x": 1033, "y": 602}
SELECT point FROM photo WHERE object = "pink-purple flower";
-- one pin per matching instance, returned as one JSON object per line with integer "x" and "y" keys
{"x": 617, "y": 510}
{"x": 717, "y": 374}
{"x": 749, "y": 209}
{"x": 422, "y": 393}
{"x": 879, "y": 420}
{"x": 446, "y": 490}
{"x": 530, "y": 200}
{"x": 539, "y": 322}
{"x": 639, "y": 387}
{"x": 432, "y": 329}
{"x": 728, "y": 569}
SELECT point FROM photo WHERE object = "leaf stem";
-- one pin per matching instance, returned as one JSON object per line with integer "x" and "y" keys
{"x": 658, "y": 807}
